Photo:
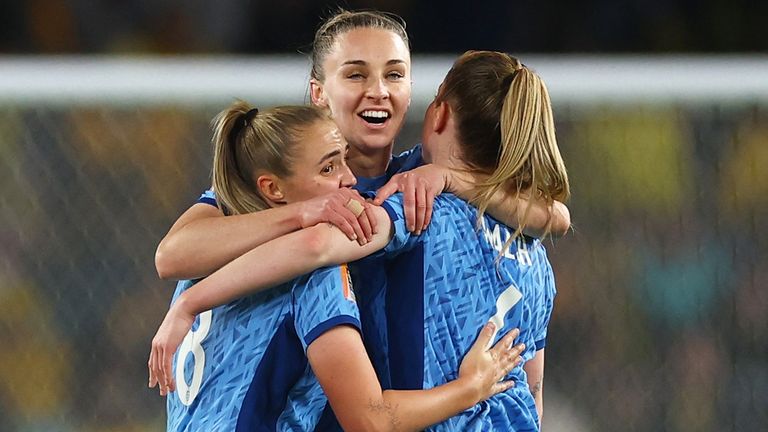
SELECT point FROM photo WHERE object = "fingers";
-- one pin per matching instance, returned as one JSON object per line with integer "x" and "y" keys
{"x": 484, "y": 339}
{"x": 506, "y": 354}
{"x": 170, "y": 384}
{"x": 360, "y": 234}
{"x": 430, "y": 199}
{"x": 152, "y": 377}
{"x": 392, "y": 186}
{"x": 502, "y": 386}
{"x": 506, "y": 342}
{"x": 156, "y": 372}
{"x": 365, "y": 216}
{"x": 342, "y": 216}
{"x": 365, "y": 222}
{"x": 409, "y": 203}
{"x": 371, "y": 218}
{"x": 420, "y": 206}
{"x": 340, "y": 221}
{"x": 161, "y": 371}
{"x": 355, "y": 206}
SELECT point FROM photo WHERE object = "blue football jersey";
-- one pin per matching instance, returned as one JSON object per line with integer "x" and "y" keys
{"x": 543, "y": 293}
{"x": 442, "y": 287}
{"x": 243, "y": 366}
{"x": 369, "y": 273}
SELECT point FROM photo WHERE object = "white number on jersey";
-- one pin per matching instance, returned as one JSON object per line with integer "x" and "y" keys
{"x": 506, "y": 301}
{"x": 191, "y": 345}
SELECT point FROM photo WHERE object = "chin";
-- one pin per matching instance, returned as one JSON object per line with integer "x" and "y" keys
{"x": 377, "y": 142}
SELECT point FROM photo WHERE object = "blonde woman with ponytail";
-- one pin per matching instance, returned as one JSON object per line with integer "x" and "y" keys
{"x": 272, "y": 360}
{"x": 361, "y": 75}
{"x": 492, "y": 121}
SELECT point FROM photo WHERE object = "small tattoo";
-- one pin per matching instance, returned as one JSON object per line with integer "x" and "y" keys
{"x": 536, "y": 389}
{"x": 389, "y": 410}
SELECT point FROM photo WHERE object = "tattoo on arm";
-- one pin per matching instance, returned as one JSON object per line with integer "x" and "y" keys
{"x": 388, "y": 410}
{"x": 536, "y": 389}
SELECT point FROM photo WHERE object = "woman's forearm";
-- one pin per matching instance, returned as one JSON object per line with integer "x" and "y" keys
{"x": 418, "y": 409}
{"x": 280, "y": 260}
{"x": 204, "y": 240}
{"x": 515, "y": 210}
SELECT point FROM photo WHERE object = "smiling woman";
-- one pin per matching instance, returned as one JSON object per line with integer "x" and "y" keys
{"x": 364, "y": 79}
{"x": 254, "y": 355}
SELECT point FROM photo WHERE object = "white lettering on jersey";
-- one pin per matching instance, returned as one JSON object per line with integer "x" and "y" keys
{"x": 499, "y": 236}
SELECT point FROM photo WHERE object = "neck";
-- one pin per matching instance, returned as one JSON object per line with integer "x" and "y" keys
{"x": 369, "y": 164}
{"x": 447, "y": 152}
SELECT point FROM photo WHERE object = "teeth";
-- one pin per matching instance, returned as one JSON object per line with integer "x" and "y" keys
{"x": 375, "y": 114}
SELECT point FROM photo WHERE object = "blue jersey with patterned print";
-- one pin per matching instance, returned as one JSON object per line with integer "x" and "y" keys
{"x": 536, "y": 281}
{"x": 369, "y": 273}
{"x": 443, "y": 286}
{"x": 243, "y": 366}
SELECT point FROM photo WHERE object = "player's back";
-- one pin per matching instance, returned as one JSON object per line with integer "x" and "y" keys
{"x": 443, "y": 286}
{"x": 243, "y": 366}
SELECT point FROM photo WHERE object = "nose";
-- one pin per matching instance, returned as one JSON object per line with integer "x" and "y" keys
{"x": 347, "y": 178}
{"x": 378, "y": 89}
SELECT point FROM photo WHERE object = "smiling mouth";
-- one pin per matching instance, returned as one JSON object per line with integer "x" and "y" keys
{"x": 374, "y": 116}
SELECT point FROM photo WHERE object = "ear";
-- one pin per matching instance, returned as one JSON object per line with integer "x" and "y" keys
{"x": 317, "y": 94}
{"x": 269, "y": 187}
{"x": 440, "y": 120}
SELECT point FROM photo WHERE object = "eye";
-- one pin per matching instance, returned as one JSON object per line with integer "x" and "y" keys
{"x": 328, "y": 169}
{"x": 395, "y": 76}
{"x": 355, "y": 76}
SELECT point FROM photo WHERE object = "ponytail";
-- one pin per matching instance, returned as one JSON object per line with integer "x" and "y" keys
{"x": 235, "y": 190}
{"x": 248, "y": 143}
{"x": 506, "y": 129}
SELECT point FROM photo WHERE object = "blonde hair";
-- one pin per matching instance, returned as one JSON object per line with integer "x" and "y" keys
{"x": 344, "y": 21}
{"x": 248, "y": 142}
{"x": 506, "y": 128}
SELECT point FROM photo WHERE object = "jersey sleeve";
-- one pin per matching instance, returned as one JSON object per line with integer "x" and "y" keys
{"x": 322, "y": 301}
{"x": 208, "y": 197}
{"x": 402, "y": 240}
{"x": 546, "y": 280}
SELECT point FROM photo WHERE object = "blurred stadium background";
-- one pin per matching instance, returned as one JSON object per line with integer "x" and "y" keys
{"x": 661, "y": 323}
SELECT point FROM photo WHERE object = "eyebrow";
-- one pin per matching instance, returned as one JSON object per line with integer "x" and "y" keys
{"x": 331, "y": 154}
{"x": 364, "y": 63}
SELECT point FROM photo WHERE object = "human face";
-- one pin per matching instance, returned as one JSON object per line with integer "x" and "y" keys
{"x": 367, "y": 87}
{"x": 319, "y": 166}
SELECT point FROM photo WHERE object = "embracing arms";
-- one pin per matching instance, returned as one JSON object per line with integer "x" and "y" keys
{"x": 339, "y": 361}
{"x": 420, "y": 185}
{"x": 203, "y": 240}
{"x": 270, "y": 264}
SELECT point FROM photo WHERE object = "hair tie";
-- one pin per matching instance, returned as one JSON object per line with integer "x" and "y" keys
{"x": 247, "y": 117}
{"x": 507, "y": 81}
{"x": 251, "y": 114}
{"x": 241, "y": 123}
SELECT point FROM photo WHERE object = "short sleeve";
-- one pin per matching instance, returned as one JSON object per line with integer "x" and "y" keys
{"x": 402, "y": 240}
{"x": 208, "y": 197}
{"x": 545, "y": 279}
{"x": 323, "y": 300}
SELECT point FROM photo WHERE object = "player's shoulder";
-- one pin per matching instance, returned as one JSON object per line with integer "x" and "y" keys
{"x": 407, "y": 160}
{"x": 322, "y": 285}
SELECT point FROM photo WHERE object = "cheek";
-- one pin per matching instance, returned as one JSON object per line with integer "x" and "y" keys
{"x": 318, "y": 186}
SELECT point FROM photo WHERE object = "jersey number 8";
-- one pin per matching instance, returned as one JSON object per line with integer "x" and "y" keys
{"x": 191, "y": 345}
